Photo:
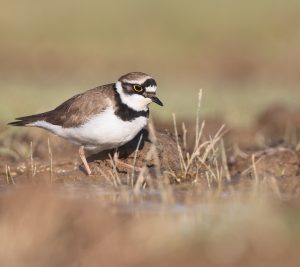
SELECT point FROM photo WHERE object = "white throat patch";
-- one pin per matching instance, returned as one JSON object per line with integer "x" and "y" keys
{"x": 135, "y": 101}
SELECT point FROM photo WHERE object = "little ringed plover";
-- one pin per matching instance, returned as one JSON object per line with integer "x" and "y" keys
{"x": 102, "y": 118}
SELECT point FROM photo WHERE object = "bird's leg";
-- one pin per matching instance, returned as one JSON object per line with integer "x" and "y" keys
{"x": 83, "y": 158}
{"x": 123, "y": 164}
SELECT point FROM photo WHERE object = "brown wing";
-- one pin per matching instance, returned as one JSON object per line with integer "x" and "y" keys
{"x": 76, "y": 110}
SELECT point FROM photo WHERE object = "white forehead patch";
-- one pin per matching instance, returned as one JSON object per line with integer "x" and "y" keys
{"x": 140, "y": 81}
{"x": 151, "y": 89}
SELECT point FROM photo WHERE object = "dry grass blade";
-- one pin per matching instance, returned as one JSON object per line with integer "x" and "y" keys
{"x": 212, "y": 143}
{"x": 198, "y": 133}
{"x": 139, "y": 182}
{"x": 134, "y": 159}
{"x": 154, "y": 149}
{"x": 151, "y": 154}
{"x": 114, "y": 173}
{"x": 188, "y": 160}
{"x": 51, "y": 161}
{"x": 184, "y": 132}
{"x": 144, "y": 174}
{"x": 179, "y": 149}
{"x": 224, "y": 161}
{"x": 256, "y": 179}
{"x": 9, "y": 177}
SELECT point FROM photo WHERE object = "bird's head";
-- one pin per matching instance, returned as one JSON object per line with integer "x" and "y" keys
{"x": 137, "y": 90}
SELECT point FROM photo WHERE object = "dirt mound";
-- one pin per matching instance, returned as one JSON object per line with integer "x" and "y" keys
{"x": 278, "y": 161}
{"x": 278, "y": 122}
{"x": 279, "y": 165}
{"x": 153, "y": 153}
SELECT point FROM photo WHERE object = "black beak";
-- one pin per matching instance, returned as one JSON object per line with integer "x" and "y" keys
{"x": 156, "y": 100}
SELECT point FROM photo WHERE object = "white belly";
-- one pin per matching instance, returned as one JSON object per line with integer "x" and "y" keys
{"x": 101, "y": 132}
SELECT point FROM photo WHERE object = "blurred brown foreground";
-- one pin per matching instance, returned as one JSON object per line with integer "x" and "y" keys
{"x": 234, "y": 202}
{"x": 43, "y": 226}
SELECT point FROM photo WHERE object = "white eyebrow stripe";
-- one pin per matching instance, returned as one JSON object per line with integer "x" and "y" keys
{"x": 136, "y": 81}
{"x": 151, "y": 89}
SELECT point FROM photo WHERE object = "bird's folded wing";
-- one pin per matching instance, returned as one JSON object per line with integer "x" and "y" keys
{"x": 76, "y": 110}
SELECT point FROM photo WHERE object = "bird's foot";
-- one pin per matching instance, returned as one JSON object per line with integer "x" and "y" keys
{"x": 127, "y": 166}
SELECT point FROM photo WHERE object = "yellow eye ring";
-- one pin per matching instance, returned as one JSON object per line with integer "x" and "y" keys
{"x": 138, "y": 88}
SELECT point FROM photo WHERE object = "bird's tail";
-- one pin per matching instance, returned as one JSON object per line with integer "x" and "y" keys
{"x": 27, "y": 120}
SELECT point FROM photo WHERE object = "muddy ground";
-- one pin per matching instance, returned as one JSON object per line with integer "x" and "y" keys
{"x": 53, "y": 214}
{"x": 271, "y": 145}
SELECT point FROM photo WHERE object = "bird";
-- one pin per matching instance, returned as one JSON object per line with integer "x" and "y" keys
{"x": 105, "y": 117}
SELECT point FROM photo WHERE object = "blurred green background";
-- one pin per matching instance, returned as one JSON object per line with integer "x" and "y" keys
{"x": 245, "y": 55}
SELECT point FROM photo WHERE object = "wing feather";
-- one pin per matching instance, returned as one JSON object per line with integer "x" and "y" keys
{"x": 76, "y": 110}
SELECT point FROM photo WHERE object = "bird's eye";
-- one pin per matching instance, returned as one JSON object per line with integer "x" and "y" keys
{"x": 138, "y": 88}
